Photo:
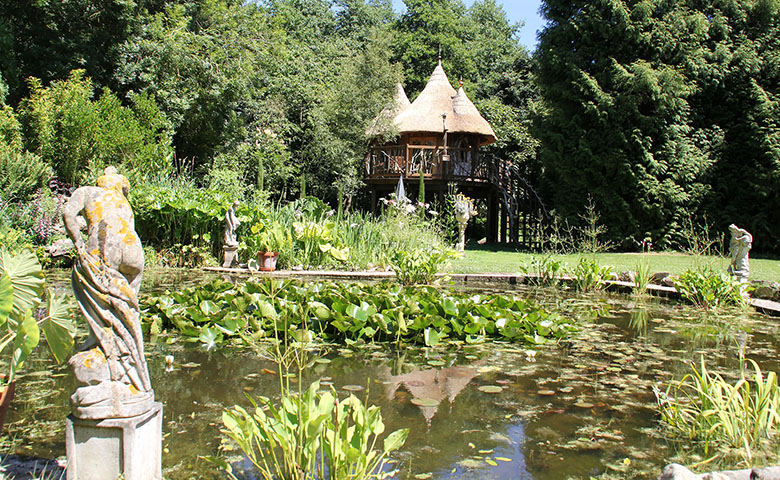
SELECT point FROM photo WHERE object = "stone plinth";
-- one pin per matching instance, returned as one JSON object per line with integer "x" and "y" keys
{"x": 229, "y": 253}
{"x": 105, "y": 449}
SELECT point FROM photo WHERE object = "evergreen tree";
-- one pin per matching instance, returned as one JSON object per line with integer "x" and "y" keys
{"x": 617, "y": 122}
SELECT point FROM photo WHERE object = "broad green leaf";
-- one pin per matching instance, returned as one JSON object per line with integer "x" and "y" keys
{"x": 58, "y": 327}
{"x": 210, "y": 336}
{"x": 27, "y": 338}
{"x": 26, "y": 277}
{"x": 6, "y": 297}
{"x": 208, "y": 308}
{"x": 396, "y": 440}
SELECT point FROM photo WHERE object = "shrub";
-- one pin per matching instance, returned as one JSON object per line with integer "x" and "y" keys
{"x": 79, "y": 136}
{"x": 23, "y": 173}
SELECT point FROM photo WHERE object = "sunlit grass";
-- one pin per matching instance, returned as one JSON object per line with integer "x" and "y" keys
{"x": 506, "y": 260}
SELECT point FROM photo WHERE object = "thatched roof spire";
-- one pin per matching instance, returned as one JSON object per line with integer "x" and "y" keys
{"x": 439, "y": 98}
{"x": 386, "y": 117}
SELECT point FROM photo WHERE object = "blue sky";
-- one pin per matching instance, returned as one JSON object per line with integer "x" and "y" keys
{"x": 518, "y": 11}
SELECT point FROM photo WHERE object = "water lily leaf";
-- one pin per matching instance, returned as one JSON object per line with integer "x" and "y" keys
{"x": 435, "y": 363}
{"x": 491, "y": 462}
{"x": 503, "y": 459}
{"x": 424, "y": 402}
{"x": 490, "y": 389}
{"x": 432, "y": 337}
{"x": 353, "y": 388}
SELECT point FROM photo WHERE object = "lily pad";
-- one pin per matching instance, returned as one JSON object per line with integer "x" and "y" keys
{"x": 490, "y": 389}
{"x": 353, "y": 388}
{"x": 424, "y": 402}
{"x": 546, "y": 393}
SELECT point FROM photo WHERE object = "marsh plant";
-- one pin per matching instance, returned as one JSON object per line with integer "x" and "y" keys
{"x": 742, "y": 416}
{"x": 642, "y": 276}
{"x": 708, "y": 289}
{"x": 592, "y": 231}
{"x": 416, "y": 267}
{"x": 309, "y": 434}
{"x": 588, "y": 275}
{"x": 546, "y": 270}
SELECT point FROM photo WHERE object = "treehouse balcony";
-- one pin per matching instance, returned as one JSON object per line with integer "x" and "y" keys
{"x": 384, "y": 164}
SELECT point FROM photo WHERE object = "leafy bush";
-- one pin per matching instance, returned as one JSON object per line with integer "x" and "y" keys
{"x": 707, "y": 289}
{"x": 23, "y": 173}
{"x": 705, "y": 407}
{"x": 79, "y": 136}
{"x": 348, "y": 312}
{"x": 419, "y": 266}
{"x": 178, "y": 213}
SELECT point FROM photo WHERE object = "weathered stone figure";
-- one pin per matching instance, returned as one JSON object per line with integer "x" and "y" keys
{"x": 464, "y": 210}
{"x": 114, "y": 416}
{"x": 232, "y": 224}
{"x": 739, "y": 246}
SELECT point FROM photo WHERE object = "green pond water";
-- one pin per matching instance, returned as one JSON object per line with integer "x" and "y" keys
{"x": 583, "y": 407}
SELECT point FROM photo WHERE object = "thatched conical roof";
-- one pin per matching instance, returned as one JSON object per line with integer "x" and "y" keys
{"x": 386, "y": 117}
{"x": 437, "y": 98}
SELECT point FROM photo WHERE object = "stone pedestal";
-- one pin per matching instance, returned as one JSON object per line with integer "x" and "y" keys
{"x": 229, "y": 254}
{"x": 105, "y": 449}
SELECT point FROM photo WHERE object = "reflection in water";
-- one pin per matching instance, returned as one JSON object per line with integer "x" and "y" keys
{"x": 581, "y": 409}
{"x": 430, "y": 387}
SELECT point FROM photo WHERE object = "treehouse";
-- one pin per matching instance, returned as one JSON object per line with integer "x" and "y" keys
{"x": 438, "y": 138}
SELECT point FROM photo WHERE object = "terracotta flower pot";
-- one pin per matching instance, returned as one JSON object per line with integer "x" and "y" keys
{"x": 6, "y": 396}
{"x": 267, "y": 261}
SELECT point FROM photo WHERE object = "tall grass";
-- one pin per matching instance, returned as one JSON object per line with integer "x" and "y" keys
{"x": 704, "y": 407}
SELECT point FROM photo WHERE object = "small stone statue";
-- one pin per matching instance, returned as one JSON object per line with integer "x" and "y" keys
{"x": 232, "y": 224}
{"x": 739, "y": 246}
{"x": 464, "y": 210}
{"x": 110, "y": 370}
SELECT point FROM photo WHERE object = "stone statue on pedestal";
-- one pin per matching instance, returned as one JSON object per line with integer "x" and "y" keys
{"x": 739, "y": 246}
{"x": 231, "y": 225}
{"x": 113, "y": 387}
{"x": 230, "y": 247}
{"x": 464, "y": 210}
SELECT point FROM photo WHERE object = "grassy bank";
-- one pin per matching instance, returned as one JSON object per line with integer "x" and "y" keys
{"x": 498, "y": 260}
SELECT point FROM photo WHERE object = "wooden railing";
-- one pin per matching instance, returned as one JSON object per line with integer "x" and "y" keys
{"x": 391, "y": 162}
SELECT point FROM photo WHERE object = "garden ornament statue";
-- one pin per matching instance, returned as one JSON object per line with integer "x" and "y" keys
{"x": 464, "y": 210}
{"x": 739, "y": 246}
{"x": 114, "y": 395}
{"x": 231, "y": 240}
{"x": 232, "y": 223}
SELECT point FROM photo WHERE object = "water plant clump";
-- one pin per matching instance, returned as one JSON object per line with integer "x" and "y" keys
{"x": 738, "y": 419}
{"x": 707, "y": 289}
{"x": 349, "y": 312}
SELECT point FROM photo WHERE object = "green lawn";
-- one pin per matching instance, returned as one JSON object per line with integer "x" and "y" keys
{"x": 502, "y": 260}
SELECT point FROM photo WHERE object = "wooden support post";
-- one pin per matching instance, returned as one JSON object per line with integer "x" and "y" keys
{"x": 492, "y": 220}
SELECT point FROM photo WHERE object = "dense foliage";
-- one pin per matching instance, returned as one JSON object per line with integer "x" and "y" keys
{"x": 348, "y": 312}
{"x": 662, "y": 111}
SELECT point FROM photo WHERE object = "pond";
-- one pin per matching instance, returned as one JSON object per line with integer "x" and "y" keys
{"x": 583, "y": 407}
